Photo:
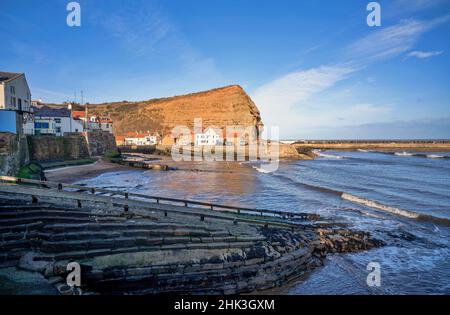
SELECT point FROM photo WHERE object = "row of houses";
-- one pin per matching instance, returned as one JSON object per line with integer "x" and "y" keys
{"x": 19, "y": 114}
{"x": 60, "y": 121}
{"x": 94, "y": 122}
{"x": 208, "y": 137}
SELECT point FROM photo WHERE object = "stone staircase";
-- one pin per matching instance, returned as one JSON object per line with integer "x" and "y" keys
{"x": 73, "y": 234}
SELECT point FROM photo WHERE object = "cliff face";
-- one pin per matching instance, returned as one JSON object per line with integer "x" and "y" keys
{"x": 220, "y": 107}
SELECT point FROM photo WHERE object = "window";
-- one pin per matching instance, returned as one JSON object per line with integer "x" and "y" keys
{"x": 12, "y": 89}
{"x": 13, "y": 101}
{"x": 19, "y": 100}
{"x": 41, "y": 125}
{"x": 58, "y": 120}
{"x": 58, "y": 129}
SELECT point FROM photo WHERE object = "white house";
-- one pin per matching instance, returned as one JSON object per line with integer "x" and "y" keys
{"x": 140, "y": 139}
{"x": 15, "y": 101}
{"x": 52, "y": 121}
{"x": 100, "y": 123}
{"x": 14, "y": 92}
{"x": 208, "y": 137}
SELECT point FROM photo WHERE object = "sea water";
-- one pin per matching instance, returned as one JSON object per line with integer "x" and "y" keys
{"x": 402, "y": 198}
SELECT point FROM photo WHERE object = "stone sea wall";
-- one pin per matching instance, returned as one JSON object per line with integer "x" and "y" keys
{"x": 13, "y": 153}
{"x": 99, "y": 142}
{"x": 71, "y": 146}
{"x": 49, "y": 148}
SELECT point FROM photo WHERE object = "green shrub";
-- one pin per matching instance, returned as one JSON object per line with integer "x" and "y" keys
{"x": 112, "y": 156}
{"x": 31, "y": 171}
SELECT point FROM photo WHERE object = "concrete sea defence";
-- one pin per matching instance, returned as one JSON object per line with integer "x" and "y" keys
{"x": 382, "y": 145}
{"x": 134, "y": 246}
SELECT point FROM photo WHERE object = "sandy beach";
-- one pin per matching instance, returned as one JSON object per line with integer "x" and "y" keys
{"x": 73, "y": 174}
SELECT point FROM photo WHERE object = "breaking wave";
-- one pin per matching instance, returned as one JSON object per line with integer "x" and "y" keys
{"x": 370, "y": 203}
{"x": 379, "y": 206}
{"x": 404, "y": 154}
{"x": 328, "y": 156}
{"x": 261, "y": 170}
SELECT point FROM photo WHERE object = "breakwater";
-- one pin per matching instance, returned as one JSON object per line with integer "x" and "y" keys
{"x": 395, "y": 145}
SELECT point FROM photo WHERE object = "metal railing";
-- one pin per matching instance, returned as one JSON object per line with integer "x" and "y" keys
{"x": 267, "y": 214}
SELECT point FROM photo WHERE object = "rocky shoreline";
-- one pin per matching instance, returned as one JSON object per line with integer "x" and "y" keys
{"x": 146, "y": 252}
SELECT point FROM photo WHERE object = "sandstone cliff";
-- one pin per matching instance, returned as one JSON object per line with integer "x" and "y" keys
{"x": 220, "y": 107}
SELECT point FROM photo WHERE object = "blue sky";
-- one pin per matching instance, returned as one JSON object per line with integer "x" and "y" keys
{"x": 315, "y": 69}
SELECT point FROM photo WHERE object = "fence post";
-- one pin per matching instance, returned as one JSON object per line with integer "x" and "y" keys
{"x": 79, "y": 203}
{"x": 125, "y": 208}
{"x": 59, "y": 186}
{"x": 34, "y": 200}
{"x": 202, "y": 218}
{"x": 92, "y": 190}
{"x": 126, "y": 195}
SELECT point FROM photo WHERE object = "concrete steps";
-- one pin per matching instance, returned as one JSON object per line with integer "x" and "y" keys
{"x": 113, "y": 243}
{"x": 17, "y": 228}
{"x": 53, "y": 219}
{"x": 74, "y": 234}
{"x": 91, "y": 253}
{"x": 43, "y": 214}
{"x": 130, "y": 228}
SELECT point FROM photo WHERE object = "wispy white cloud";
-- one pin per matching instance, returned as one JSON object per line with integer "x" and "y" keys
{"x": 299, "y": 86}
{"x": 139, "y": 32}
{"x": 146, "y": 32}
{"x": 409, "y": 6}
{"x": 427, "y": 128}
{"x": 391, "y": 41}
{"x": 30, "y": 52}
{"x": 286, "y": 101}
{"x": 424, "y": 54}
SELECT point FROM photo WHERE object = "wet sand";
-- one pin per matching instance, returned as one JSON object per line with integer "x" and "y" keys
{"x": 73, "y": 174}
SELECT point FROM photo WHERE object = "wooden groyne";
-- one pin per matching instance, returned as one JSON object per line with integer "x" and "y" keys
{"x": 130, "y": 243}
